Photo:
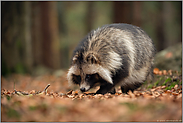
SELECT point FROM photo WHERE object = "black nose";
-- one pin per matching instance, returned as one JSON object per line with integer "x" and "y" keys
{"x": 82, "y": 89}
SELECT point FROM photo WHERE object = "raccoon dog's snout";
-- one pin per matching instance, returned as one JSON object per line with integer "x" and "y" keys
{"x": 82, "y": 89}
{"x": 113, "y": 55}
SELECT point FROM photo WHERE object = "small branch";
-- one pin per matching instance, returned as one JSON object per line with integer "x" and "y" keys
{"x": 20, "y": 93}
{"x": 46, "y": 88}
{"x": 39, "y": 93}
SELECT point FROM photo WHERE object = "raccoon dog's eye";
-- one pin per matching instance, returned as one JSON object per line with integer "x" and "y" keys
{"x": 76, "y": 79}
{"x": 88, "y": 76}
{"x": 92, "y": 76}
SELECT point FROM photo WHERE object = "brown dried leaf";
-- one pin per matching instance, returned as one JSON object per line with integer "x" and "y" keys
{"x": 163, "y": 87}
{"x": 131, "y": 94}
{"x": 153, "y": 89}
{"x": 176, "y": 86}
{"x": 69, "y": 92}
{"x": 156, "y": 71}
{"x": 164, "y": 72}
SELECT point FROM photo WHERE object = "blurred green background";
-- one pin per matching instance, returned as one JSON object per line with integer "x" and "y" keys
{"x": 44, "y": 34}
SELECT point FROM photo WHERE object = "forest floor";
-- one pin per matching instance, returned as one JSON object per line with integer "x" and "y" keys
{"x": 25, "y": 98}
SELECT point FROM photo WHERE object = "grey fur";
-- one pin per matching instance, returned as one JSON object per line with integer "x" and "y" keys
{"x": 115, "y": 55}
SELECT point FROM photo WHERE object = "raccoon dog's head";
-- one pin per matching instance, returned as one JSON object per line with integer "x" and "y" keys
{"x": 87, "y": 72}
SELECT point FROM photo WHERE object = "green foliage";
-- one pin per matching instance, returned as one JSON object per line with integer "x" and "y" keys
{"x": 43, "y": 107}
{"x": 156, "y": 83}
{"x": 171, "y": 86}
{"x": 150, "y": 86}
{"x": 159, "y": 81}
{"x": 20, "y": 68}
{"x": 8, "y": 97}
{"x": 131, "y": 106}
{"x": 62, "y": 109}
{"x": 13, "y": 113}
{"x": 18, "y": 44}
{"x": 32, "y": 108}
{"x": 164, "y": 80}
{"x": 167, "y": 80}
{"x": 4, "y": 69}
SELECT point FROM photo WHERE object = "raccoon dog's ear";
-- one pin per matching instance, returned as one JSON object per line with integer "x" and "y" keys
{"x": 75, "y": 58}
{"x": 92, "y": 58}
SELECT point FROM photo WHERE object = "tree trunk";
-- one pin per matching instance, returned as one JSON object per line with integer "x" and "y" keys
{"x": 160, "y": 29}
{"x": 89, "y": 16}
{"x": 50, "y": 35}
{"x": 137, "y": 13}
{"x": 11, "y": 40}
{"x": 122, "y": 12}
{"x": 28, "y": 41}
{"x": 36, "y": 34}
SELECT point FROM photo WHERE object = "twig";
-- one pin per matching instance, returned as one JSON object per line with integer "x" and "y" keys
{"x": 46, "y": 88}
{"x": 23, "y": 93}
{"x": 20, "y": 93}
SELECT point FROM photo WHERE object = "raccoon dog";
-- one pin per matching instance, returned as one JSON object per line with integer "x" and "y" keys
{"x": 110, "y": 56}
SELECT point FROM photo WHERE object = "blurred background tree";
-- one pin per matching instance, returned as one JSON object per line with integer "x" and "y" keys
{"x": 46, "y": 33}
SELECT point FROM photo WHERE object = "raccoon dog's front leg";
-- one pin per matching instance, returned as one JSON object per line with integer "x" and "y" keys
{"x": 113, "y": 91}
{"x": 106, "y": 88}
{"x": 126, "y": 88}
